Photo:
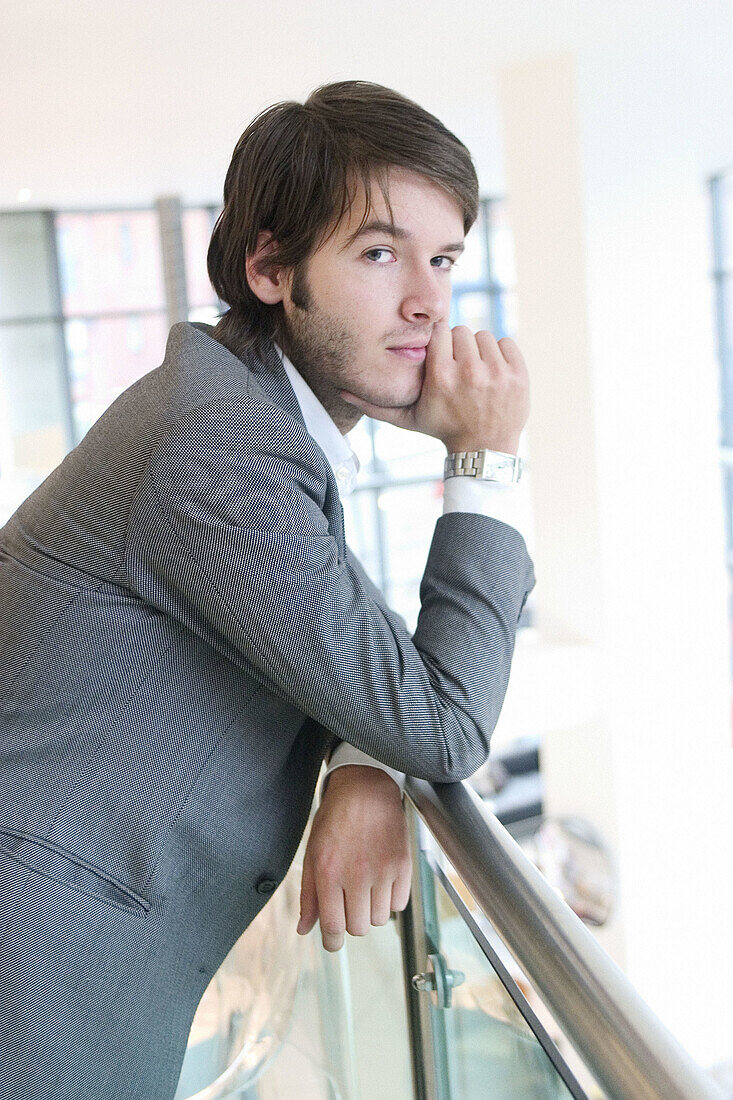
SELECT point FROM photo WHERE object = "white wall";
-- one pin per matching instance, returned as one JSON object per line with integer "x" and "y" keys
{"x": 656, "y": 121}
{"x": 615, "y": 309}
{"x": 112, "y": 102}
{"x": 115, "y": 103}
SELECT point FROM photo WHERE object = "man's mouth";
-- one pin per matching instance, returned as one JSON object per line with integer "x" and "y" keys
{"x": 414, "y": 354}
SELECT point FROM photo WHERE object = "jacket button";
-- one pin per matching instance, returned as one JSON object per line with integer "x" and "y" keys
{"x": 265, "y": 886}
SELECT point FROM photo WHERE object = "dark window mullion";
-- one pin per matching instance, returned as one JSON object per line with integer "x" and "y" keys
{"x": 67, "y": 400}
{"x": 486, "y": 205}
{"x": 720, "y": 229}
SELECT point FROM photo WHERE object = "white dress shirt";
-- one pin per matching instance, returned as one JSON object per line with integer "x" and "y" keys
{"x": 460, "y": 494}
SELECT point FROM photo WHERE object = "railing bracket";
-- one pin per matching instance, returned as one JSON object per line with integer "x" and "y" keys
{"x": 439, "y": 981}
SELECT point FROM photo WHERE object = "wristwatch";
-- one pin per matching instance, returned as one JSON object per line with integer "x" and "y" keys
{"x": 485, "y": 465}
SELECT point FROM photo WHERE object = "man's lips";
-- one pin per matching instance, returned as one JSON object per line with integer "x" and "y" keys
{"x": 414, "y": 354}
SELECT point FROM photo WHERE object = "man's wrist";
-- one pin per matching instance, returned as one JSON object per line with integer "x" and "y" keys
{"x": 463, "y": 446}
{"x": 483, "y": 465}
{"x": 352, "y": 775}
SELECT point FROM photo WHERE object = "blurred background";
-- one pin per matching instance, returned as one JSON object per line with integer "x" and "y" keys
{"x": 603, "y": 138}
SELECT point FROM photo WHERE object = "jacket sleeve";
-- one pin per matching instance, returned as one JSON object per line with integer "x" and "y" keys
{"x": 228, "y": 534}
{"x": 341, "y": 753}
{"x": 389, "y": 613}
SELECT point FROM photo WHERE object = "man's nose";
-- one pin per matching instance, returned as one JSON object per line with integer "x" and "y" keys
{"x": 426, "y": 299}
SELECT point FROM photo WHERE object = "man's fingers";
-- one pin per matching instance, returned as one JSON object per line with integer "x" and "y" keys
{"x": 440, "y": 347}
{"x": 381, "y": 903}
{"x": 358, "y": 910}
{"x": 306, "y": 922}
{"x": 510, "y": 351}
{"x": 308, "y": 901}
{"x": 464, "y": 342}
{"x": 401, "y": 891}
{"x": 488, "y": 347}
{"x": 332, "y": 917}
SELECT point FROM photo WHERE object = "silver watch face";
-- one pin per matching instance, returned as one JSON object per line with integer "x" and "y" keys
{"x": 484, "y": 465}
{"x": 496, "y": 469}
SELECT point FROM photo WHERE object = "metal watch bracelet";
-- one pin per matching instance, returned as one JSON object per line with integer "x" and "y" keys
{"x": 484, "y": 465}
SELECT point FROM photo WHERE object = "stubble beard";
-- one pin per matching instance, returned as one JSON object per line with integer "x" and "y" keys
{"x": 320, "y": 348}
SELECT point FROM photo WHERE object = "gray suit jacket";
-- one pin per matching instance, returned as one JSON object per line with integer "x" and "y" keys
{"x": 183, "y": 633}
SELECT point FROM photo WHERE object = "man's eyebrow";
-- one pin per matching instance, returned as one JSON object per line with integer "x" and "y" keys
{"x": 394, "y": 231}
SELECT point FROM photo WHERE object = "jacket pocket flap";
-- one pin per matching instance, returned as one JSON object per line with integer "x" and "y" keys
{"x": 47, "y": 858}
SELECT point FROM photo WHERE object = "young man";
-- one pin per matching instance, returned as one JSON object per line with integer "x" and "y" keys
{"x": 186, "y": 634}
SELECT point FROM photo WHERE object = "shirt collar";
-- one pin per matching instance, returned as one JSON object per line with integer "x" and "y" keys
{"x": 334, "y": 445}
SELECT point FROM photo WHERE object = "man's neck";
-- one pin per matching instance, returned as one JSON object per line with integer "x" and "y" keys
{"x": 232, "y": 337}
{"x": 235, "y": 340}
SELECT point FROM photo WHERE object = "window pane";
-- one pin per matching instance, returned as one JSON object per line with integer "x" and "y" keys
{"x": 728, "y": 495}
{"x": 473, "y": 309}
{"x": 501, "y": 245}
{"x": 110, "y": 262}
{"x": 26, "y": 289}
{"x": 207, "y": 315}
{"x": 409, "y": 514}
{"x": 33, "y": 438}
{"x": 406, "y": 516}
{"x": 727, "y": 350}
{"x": 476, "y": 301}
{"x": 107, "y": 356}
{"x": 726, "y": 221}
{"x": 471, "y": 266}
{"x": 197, "y": 226}
{"x": 360, "y": 525}
{"x": 407, "y": 454}
{"x": 505, "y": 314}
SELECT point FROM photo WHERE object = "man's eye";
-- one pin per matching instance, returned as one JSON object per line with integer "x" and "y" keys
{"x": 446, "y": 267}
{"x": 375, "y": 252}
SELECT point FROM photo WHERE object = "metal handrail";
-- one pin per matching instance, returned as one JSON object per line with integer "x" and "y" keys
{"x": 625, "y": 1045}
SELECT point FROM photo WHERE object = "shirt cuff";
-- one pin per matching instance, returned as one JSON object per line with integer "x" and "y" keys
{"x": 489, "y": 498}
{"x": 344, "y": 753}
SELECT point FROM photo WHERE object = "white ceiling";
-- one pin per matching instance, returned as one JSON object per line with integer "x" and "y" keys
{"x": 111, "y": 103}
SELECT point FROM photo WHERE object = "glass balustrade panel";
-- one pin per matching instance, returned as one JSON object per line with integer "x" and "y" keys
{"x": 284, "y": 1017}
{"x": 268, "y": 1023}
{"x": 487, "y": 1046}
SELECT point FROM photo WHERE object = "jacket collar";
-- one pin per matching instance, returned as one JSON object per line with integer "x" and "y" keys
{"x": 267, "y": 371}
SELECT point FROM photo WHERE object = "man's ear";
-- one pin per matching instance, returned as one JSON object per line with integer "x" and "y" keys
{"x": 266, "y": 282}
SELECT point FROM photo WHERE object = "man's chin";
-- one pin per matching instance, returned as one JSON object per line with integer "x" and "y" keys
{"x": 408, "y": 392}
{"x": 412, "y": 396}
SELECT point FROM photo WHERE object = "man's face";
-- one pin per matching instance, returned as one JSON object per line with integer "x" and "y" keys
{"x": 360, "y": 313}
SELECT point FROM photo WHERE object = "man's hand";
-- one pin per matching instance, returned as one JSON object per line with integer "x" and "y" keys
{"x": 357, "y": 866}
{"x": 474, "y": 396}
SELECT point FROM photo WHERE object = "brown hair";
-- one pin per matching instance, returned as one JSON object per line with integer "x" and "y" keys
{"x": 294, "y": 172}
